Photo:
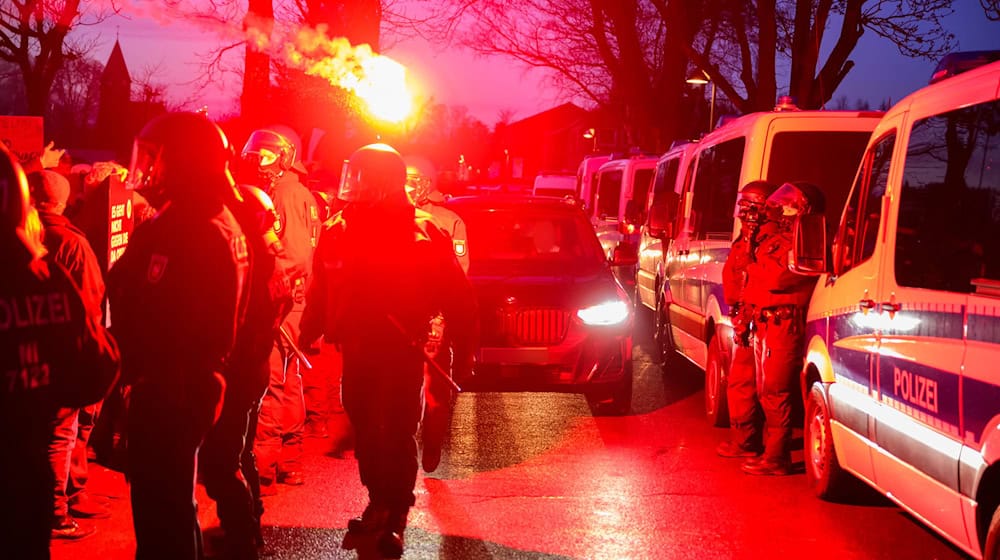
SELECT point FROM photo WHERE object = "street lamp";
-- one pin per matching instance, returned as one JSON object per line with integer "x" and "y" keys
{"x": 591, "y": 134}
{"x": 702, "y": 78}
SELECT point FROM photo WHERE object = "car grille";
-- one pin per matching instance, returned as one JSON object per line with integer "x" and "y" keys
{"x": 537, "y": 327}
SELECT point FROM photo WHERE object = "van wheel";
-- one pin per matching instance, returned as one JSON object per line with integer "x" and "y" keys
{"x": 828, "y": 479}
{"x": 992, "y": 549}
{"x": 716, "y": 404}
{"x": 665, "y": 349}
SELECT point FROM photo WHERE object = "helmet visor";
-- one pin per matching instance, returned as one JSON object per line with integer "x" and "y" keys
{"x": 145, "y": 161}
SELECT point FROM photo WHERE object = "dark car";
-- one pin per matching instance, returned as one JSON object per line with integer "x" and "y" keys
{"x": 553, "y": 316}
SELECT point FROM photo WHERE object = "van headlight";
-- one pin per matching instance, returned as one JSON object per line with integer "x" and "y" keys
{"x": 605, "y": 314}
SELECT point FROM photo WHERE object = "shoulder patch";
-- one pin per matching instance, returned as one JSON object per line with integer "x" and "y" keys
{"x": 157, "y": 267}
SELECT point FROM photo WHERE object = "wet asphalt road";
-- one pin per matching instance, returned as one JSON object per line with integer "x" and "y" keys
{"x": 537, "y": 476}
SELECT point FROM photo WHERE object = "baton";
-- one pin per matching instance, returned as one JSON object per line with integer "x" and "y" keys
{"x": 435, "y": 367}
{"x": 294, "y": 348}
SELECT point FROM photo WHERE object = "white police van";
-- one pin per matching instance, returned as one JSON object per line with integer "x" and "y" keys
{"x": 621, "y": 188}
{"x": 902, "y": 371}
{"x": 673, "y": 169}
{"x": 821, "y": 147}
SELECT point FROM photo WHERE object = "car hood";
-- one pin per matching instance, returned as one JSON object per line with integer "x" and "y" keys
{"x": 560, "y": 292}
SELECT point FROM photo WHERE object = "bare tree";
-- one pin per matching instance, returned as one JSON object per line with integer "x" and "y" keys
{"x": 73, "y": 100}
{"x": 760, "y": 38}
{"x": 33, "y": 35}
{"x": 631, "y": 56}
{"x": 992, "y": 9}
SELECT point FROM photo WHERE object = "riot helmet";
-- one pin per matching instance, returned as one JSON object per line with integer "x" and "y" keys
{"x": 181, "y": 155}
{"x": 794, "y": 199}
{"x": 752, "y": 202}
{"x": 18, "y": 219}
{"x": 296, "y": 142}
{"x": 269, "y": 153}
{"x": 421, "y": 179}
{"x": 375, "y": 174}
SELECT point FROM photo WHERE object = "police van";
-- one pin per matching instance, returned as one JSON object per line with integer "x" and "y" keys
{"x": 673, "y": 169}
{"x": 902, "y": 371}
{"x": 621, "y": 188}
{"x": 821, "y": 147}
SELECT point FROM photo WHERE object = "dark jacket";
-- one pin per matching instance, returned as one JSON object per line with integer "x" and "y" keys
{"x": 176, "y": 293}
{"x": 68, "y": 246}
{"x": 361, "y": 288}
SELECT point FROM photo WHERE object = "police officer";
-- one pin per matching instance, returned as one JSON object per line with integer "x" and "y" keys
{"x": 226, "y": 461}
{"x": 53, "y": 353}
{"x": 357, "y": 301}
{"x": 176, "y": 297}
{"x": 273, "y": 157}
{"x": 421, "y": 185}
{"x": 67, "y": 246}
{"x": 779, "y": 340}
{"x": 745, "y": 417}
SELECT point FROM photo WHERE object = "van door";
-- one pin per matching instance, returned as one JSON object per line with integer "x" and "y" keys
{"x": 609, "y": 188}
{"x": 713, "y": 200}
{"x": 853, "y": 334}
{"x": 651, "y": 248}
{"x": 945, "y": 233}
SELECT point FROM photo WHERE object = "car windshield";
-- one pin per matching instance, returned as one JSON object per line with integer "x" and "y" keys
{"x": 531, "y": 242}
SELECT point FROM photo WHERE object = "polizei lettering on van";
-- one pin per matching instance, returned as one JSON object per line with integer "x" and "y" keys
{"x": 34, "y": 310}
{"x": 915, "y": 389}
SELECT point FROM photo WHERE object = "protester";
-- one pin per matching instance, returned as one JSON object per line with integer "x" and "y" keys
{"x": 380, "y": 324}
{"x": 64, "y": 359}
{"x": 67, "y": 246}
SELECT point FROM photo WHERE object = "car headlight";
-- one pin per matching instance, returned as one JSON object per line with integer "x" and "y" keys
{"x": 605, "y": 314}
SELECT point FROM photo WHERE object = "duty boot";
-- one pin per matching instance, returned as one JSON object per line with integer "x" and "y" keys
{"x": 766, "y": 466}
{"x": 371, "y": 520}
{"x": 731, "y": 449}
{"x": 390, "y": 541}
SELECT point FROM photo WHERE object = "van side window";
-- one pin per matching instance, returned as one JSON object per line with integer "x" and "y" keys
{"x": 863, "y": 212}
{"x": 949, "y": 215}
{"x": 609, "y": 188}
{"x": 716, "y": 187}
{"x": 641, "y": 182}
{"x": 663, "y": 186}
{"x": 683, "y": 199}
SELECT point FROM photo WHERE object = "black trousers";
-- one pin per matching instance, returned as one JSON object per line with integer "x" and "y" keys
{"x": 381, "y": 390}
{"x": 219, "y": 462}
{"x": 167, "y": 423}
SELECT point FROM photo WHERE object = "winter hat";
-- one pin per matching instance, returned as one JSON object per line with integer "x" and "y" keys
{"x": 49, "y": 189}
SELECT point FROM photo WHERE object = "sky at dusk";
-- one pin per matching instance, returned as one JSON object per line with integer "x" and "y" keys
{"x": 487, "y": 86}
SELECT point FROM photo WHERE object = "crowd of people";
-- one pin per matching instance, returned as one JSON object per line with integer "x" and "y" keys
{"x": 235, "y": 311}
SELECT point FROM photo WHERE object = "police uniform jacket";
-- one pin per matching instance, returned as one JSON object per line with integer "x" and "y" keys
{"x": 298, "y": 223}
{"x": 54, "y": 354}
{"x": 410, "y": 274}
{"x": 176, "y": 293}
{"x": 770, "y": 282}
{"x": 734, "y": 271}
{"x": 68, "y": 246}
{"x": 451, "y": 223}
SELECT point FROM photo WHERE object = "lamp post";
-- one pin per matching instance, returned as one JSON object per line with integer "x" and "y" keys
{"x": 702, "y": 78}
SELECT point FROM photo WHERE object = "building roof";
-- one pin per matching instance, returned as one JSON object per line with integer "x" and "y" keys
{"x": 116, "y": 69}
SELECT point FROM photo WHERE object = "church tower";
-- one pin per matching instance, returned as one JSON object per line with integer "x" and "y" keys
{"x": 114, "y": 114}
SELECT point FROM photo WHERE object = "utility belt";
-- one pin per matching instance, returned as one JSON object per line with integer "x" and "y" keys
{"x": 777, "y": 314}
